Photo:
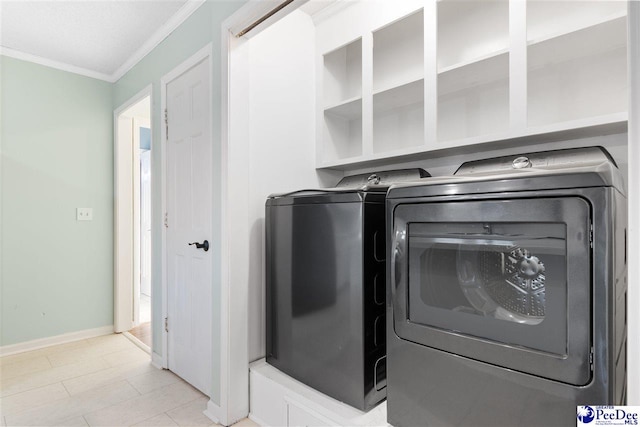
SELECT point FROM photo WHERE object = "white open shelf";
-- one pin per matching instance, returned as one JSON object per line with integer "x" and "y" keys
{"x": 398, "y": 84}
{"x": 398, "y": 97}
{"x": 476, "y": 73}
{"x": 590, "y": 41}
{"x": 472, "y": 68}
{"x": 469, "y": 62}
{"x": 343, "y": 74}
{"x": 348, "y": 109}
{"x": 479, "y": 110}
{"x": 474, "y": 99}
{"x": 398, "y": 52}
{"x": 343, "y": 132}
{"x": 469, "y": 30}
{"x": 398, "y": 117}
{"x": 579, "y": 74}
{"x": 342, "y": 100}
{"x": 550, "y": 19}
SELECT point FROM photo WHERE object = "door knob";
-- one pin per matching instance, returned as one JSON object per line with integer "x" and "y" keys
{"x": 204, "y": 245}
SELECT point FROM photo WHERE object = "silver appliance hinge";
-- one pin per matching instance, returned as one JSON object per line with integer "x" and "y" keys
{"x": 591, "y": 359}
{"x": 166, "y": 324}
{"x": 166, "y": 123}
{"x": 166, "y": 220}
{"x": 591, "y": 235}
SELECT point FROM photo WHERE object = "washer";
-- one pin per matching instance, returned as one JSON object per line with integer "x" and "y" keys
{"x": 506, "y": 299}
{"x": 325, "y": 286}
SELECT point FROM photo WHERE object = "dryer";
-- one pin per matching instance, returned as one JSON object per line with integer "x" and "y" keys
{"x": 506, "y": 292}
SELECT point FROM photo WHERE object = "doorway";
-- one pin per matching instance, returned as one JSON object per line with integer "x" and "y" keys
{"x": 133, "y": 297}
{"x": 141, "y": 123}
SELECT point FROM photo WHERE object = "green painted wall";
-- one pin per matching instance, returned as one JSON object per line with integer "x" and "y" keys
{"x": 202, "y": 28}
{"x": 56, "y": 141}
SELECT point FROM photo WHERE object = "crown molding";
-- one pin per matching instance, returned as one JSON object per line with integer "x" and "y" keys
{"x": 12, "y": 53}
{"x": 151, "y": 43}
{"x": 156, "y": 38}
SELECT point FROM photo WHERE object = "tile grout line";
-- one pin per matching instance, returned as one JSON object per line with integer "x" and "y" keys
{"x": 36, "y": 371}
{"x": 37, "y": 406}
{"x": 125, "y": 377}
{"x": 84, "y": 416}
{"x": 170, "y": 417}
{"x": 183, "y": 405}
{"x": 88, "y": 373}
{"x": 133, "y": 386}
{"x": 48, "y": 384}
{"x": 88, "y": 344}
{"x": 101, "y": 357}
{"x": 26, "y": 353}
{"x": 49, "y": 360}
{"x": 65, "y": 388}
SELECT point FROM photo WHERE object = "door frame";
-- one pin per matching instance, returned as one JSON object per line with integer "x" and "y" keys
{"x": 206, "y": 53}
{"x": 123, "y": 242}
{"x": 234, "y": 186}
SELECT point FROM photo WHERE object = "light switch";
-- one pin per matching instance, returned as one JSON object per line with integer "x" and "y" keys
{"x": 84, "y": 214}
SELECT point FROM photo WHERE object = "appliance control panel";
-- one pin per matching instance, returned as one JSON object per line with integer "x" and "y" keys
{"x": 546, "y": 160}
{"x": 382, "y": 178}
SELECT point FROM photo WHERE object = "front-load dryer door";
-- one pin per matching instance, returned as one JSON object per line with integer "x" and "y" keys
{"x": 506, "y": 282}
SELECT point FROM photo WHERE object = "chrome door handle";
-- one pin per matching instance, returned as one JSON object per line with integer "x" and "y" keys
{"x": 204, "y": 245}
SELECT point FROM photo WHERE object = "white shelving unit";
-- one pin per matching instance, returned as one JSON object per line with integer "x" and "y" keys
{"x": 404, "y": 79}
{"x": 343, "y": 74}
{"x": 473, "y": 68}
{"x": 398, "y": 52}
{"x": 471, "y": 30}
{"x": 342, "y": 101}
{"x": 581, "y": 73}
{"x": 398, "y": 84}
{"x": 549, "y": 19}
{"x": 398, "y": 117}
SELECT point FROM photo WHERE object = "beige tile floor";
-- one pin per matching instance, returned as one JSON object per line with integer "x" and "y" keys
{"x": 103, "y": 381}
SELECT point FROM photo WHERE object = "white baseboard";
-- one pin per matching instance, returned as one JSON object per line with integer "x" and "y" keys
{"x": 21, "y": 347}
{"x": 257, "y": 420}
{"x": 213, "y": 412}
{"x": 156, "y": 360}
{"x": 216, "y": 414}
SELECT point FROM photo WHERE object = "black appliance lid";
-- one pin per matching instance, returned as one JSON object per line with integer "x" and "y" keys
{"x": 547, "y": 170}
{"x": 350, "y": 188}
{"x": 555, "y": 160}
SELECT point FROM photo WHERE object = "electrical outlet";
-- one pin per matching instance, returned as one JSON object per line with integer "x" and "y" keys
{"x": 84, "y": 214}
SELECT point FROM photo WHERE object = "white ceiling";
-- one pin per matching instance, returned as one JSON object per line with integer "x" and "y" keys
{"x": 100, "y": 37}
{"x": 314, "y": 6}
{"x": 97, "y": 38}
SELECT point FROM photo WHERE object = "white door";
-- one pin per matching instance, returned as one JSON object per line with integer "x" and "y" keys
{"x": 189, "y": 220}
